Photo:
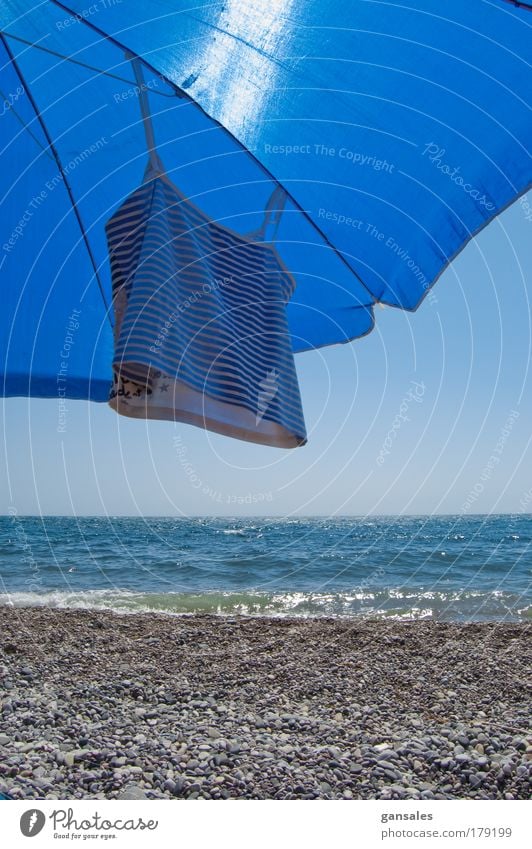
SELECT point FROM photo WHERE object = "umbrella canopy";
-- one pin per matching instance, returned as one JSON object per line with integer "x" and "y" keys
{"x": 398, "y": 131}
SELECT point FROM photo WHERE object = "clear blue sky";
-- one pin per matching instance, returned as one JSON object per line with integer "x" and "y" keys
{"x": 468, "y": 351}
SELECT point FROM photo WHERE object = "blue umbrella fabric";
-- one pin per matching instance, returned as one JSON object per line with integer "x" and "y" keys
{"x": 397, "y": 132}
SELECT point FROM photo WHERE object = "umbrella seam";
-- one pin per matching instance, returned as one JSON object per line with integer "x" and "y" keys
{"x": 61, "y": 171}
{"x": 81, "y": 64}
{"x": 25, "y": 126}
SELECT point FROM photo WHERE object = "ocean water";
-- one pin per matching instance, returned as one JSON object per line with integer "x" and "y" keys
{"x": 474, "y": 568}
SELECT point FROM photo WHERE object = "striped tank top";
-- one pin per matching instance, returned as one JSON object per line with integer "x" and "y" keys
{"x": 200, "y": 333}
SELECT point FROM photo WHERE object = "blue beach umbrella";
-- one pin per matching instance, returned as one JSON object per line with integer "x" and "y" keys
{"x": 394, "y": 131}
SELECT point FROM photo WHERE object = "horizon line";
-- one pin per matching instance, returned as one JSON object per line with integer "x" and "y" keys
{"x": 259, "y": 515}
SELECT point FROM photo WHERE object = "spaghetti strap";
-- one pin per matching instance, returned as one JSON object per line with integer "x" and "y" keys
{"x": 155, "y": 166}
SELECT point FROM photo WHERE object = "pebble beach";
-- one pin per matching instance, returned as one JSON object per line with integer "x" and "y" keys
{"x": 100, "y": 705}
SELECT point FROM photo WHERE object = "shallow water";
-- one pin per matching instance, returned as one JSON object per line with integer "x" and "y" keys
{"x": 473, "y": 568}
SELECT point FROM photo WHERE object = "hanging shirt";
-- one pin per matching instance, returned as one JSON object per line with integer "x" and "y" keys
{"x": 201, "y": 333}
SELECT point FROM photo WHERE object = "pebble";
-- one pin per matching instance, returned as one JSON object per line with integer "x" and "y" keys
{"x": 132, "y": 792}
{"x": 283, "y": 709}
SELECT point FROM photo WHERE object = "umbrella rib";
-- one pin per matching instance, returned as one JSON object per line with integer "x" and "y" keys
{"x": 520, "y": 4}
{"x": 184, "y": 94}
{"x": 77, "y": 62}
{"x": 61, "y": 171}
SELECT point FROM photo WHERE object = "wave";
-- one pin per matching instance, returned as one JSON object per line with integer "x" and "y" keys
{"x": 397, "y": 604}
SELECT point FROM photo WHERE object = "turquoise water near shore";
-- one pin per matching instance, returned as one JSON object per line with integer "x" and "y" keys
{"x": 464, "y": 568}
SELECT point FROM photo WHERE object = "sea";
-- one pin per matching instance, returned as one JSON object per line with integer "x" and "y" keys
{"x": 445, "y": 568}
